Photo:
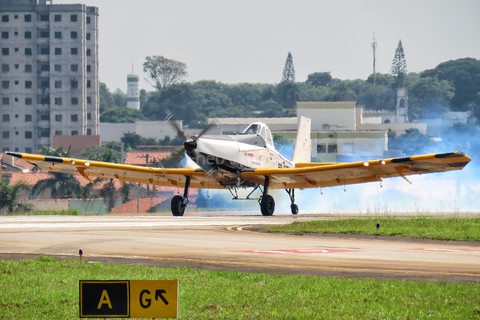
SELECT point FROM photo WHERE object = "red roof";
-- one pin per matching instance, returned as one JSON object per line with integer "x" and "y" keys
{"x": 146, "y": 203}
{"x": 139, "y": 158}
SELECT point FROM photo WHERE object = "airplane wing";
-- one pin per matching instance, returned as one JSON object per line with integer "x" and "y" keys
{"x": 313, "y": 175}
{"x": 125, "y": 173}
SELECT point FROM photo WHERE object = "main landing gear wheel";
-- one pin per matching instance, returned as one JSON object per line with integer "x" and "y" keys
{"x": 178, "y": 207}
{"x": 294, "y": 208}
{"x": 267, "y": 205}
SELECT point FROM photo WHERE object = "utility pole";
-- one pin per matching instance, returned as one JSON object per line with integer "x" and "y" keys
{"x": 374, "y": 47}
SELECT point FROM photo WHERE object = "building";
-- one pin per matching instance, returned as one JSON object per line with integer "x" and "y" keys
{"x": 147, "y": 129}
{"x": 49, "y": 73}
{"x": 133, "y": 100}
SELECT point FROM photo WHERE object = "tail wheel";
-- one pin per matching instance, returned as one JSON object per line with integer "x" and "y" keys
{"x": 178, "y": 208}
{"x": 294, "y": 208}
{"x": 267, "y": 205}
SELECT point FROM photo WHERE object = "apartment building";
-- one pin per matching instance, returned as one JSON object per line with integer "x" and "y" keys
{"x": 49, "y": 73}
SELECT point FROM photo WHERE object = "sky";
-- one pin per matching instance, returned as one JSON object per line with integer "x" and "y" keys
{"x": 239, "y": 41}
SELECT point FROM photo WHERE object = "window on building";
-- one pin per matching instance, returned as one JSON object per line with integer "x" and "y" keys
{"x": 5, "y": 67}
{"x": 58, "y": 51}
{"x": 28, "y": 150}
{"x": 74, "y": 84}
{"x": 89, "y": 132}
{"x": 5, "y": 51}
{"x": 74, "y": 67}
{"x": 89, "y": 68}
{"x": 5, "y": 84}
{"x": 88, "y": 36}
{"x": 15, "y": 49}
{"x": 73, "y": 35}
{"x": 44, "y": 17}
{"x": 28, "y": 18}
{"x": 15, "y": 16}
{"x": 28, "y": 101}
{"x": 89, "y": 52}
{"x": 58, "y": 101}
{"x": 27, "y": 35}
{"x": 89, "y": 84}
{"x": 45, "y": 117}
{"x": 74, "y": 51}
{"x": 58, "y": 117}
{"x": 89, "y": 116}
{"x": 88, "y": 20}
{"x": 6, "y": 118}
{"x": 5, "y": 101}
{"x": 28, "y": 84}
{"x": 89, "y": 100}
{"x": 28, "y": 51}
{"x": 58, "y": 132}
{"x": 45, "y": 100}
{"x": 5, "y": 134}
{"x": 28, "y": 68}
{"x": 58, "y": 67}
{"x": 5, "y": 149}
{"x": 28, "y": 135}
{"x": 321, "y": 148}
{"x": 58, "y": 18}
{"x": 44, "y": 34}
{"x": 58, "y": 35}
{"x": 58, "y": 84}
{"x": 332, "y": 148}
{"x": 5, "y": 18}
{"x": 73, "y": 18}
{"x": 4, "y": 35}
{"x": 28, "y": 118}
{"x": 74, "y": 117}
{"x": 45, "y": 67}
{"x": 16, "y": 82}
{"x": 74, "y": 101}
{"x": 74, "y": 133}
{"x": 44, "y": 84}
{"x": 45, "y": 133}
{"x": 45, "y": 51}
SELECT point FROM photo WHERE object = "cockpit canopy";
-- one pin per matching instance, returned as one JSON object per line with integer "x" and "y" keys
{"x": 261, "y": 129}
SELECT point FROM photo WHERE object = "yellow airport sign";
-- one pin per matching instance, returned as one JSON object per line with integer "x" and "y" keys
{"x": 128, "y": 298}
{"x": 153, "y": 298}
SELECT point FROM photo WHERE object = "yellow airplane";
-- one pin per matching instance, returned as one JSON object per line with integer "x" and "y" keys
{"x": 249, "y": 160}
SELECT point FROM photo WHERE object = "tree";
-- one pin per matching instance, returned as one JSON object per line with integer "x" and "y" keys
{"x": 61, "y": 185}
{"x": 412, "y": 142}
{"x": 429, "y": 98}
{"x": 164, "y": 72}
{"x": 288, "y": 70}
{"x": 399, "y": 66}
{"x": 122, "y": 115}
{"x": 464, "y": 74}
{"x": 9, "y": 195}
{"x": 319, "y": 79}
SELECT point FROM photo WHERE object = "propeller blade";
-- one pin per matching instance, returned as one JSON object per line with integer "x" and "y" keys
{"x": 170, "y": 120}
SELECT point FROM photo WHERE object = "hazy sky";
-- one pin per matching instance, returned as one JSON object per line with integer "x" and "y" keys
{"x": 234, "y": 41}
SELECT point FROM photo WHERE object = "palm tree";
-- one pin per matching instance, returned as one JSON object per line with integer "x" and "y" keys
{"x": 9, "y": 194}
{"x": 61, "y": 185}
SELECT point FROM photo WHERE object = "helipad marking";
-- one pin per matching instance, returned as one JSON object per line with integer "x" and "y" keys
{"x": 297, "y": 251}
{"x": 445, "y": 249}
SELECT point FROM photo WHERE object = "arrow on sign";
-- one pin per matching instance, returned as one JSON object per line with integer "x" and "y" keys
{"x": 158, "y": 294}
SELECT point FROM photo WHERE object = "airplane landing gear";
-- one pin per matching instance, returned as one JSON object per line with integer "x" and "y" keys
{"x": 179, "y": 203}
{"x": 293, "y": 206}
{"x": 267, "y": 203}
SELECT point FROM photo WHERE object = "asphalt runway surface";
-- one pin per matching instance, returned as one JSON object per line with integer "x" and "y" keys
{"x": 236, "y": 242}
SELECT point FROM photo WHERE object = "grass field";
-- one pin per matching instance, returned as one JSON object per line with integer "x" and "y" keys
{"x": 48, "y": 289}
{"x": 456, "y": 228}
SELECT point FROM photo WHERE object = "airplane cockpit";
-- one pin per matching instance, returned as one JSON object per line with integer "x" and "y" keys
{"x": 262, "y": 130}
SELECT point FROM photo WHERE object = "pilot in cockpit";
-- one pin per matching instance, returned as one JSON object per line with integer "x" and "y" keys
{"x": 252, "y": 129}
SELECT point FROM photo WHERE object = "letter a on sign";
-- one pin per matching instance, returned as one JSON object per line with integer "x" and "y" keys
{"x": 104, "y": 299}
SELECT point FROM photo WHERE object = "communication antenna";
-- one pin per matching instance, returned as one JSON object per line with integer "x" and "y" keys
{"x": 374, "y": 47}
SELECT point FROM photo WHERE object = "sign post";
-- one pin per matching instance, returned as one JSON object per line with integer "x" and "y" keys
{"x": 128, "y": 298}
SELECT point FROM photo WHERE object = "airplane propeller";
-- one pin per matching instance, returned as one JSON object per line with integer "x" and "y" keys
{"x": 190, "y": 144}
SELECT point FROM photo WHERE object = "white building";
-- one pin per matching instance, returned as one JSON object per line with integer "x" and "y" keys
{"x": 147, "y": 129}
{"x": 49, "y": 72}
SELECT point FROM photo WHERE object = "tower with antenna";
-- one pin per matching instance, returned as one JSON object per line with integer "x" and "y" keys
{"x": 374, "y": 47}
{"x": 133, "y": 100}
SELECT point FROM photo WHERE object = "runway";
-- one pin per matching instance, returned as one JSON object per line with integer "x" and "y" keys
{"x": 236, "y": 242}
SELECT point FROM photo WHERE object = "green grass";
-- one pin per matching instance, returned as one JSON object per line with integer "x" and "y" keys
{"x": 463, "y": 229}
{"x": 48, "y": 289}
{"x": 69, "y": 212}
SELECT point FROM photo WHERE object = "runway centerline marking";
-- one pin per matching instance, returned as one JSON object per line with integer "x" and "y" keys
{"x": 297, "y": 251}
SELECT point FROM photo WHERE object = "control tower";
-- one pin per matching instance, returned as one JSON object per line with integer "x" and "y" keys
{"x": 133, "y": 100}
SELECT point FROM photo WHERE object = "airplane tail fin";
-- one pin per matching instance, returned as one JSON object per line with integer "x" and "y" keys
{"x": 303, "y": 145}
